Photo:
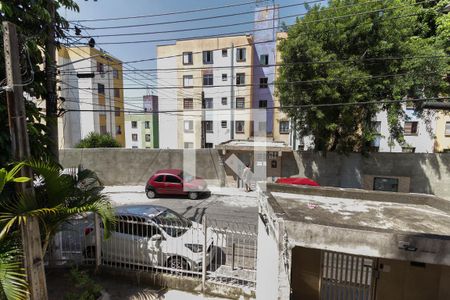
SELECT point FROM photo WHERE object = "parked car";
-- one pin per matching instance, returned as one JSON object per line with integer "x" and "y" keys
{"x": 297, "y": 181}
{"x": 175, "y": 182}
{"x": 151, "y": 235}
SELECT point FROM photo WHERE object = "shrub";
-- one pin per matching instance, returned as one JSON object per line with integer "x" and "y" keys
{"x": 97, "y": 140}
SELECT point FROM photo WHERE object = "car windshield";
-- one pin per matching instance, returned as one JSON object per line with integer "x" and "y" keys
{"x": 172, "y": 223}
{"x": 187, "y": 177}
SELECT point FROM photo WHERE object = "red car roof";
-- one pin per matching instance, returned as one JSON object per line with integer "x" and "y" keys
{"x": 169, "y": 171}
{"x": 298, "y": 181}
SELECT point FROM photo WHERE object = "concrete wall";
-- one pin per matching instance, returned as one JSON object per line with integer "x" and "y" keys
{"x": 135, "y": 166}
{"x": 428, "y": 173}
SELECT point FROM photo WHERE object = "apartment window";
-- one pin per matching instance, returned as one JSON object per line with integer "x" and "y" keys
{"x": 410, "y": 128}
{"x": 148, "y": 138}
{"x": 117, "y": 111}
{"x": 134, "y": 147}
{"x": 134, "y": 137}
{"x": 100, "y": 67}
{"x": 187, "y": 58}
{"x": 224, "y": 100}
{"x": 224, "y": 77}
{"x": 116, "y": 92}
{"x": 133, "y": 124}
{"x": 385, "y": 184}
{"x": 188, "y": 81}
{"x": 209, "y": 103}
{"x": 262, "y": 103}
{"x": 263, "y": 83}
{"x": 115, "y": 74}
{"x": 284, "y": 126}
{"x": 264, "y": 59}
{"x": 447, "y": 129}
{"x": 240, "y": 103}
{"x": 240, "y": 78}
{"x": 208, "y": 79}
{"x": 118, "y": 129}
{"x": 241, "y": 54}
{"x": 224, "y": 52}
{"x": 409, "y": 105}
{"x": 207, "y": 57}
{"x": 209, "y": 145}
{"x": 188, "y": 145}
{"x": 408, "y": 149}
{"x": 209, "y": 126}
{"x": 188, "y": 103}
{"x": 224, "y": 124}
{"x": 147, "y": 124}
{"x": 100, "y": 89}
{"x": 188, "y": 126}
{"x": 240, "y": 126}
{"x": 103, "y": 129}
{"x": 377, "y": 126}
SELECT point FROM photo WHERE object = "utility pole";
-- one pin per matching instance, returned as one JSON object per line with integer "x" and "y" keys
{"x": 50, "y": 69}
{"x": 31, "y": 238}
{"x": 203, "y": 124}
{"x": 232, "y": 94}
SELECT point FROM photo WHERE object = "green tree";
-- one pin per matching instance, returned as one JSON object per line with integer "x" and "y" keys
{"x": 338, "y": 54}
{"x": 32, "y": 20}
{"x": 97, "y": 140}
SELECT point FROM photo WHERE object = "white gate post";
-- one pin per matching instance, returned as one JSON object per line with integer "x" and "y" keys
{"x": 98, "y": 241}
{"x": 205, "y": 242}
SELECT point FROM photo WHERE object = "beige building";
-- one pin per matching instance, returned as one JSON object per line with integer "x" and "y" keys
{"x": 442, "y": 135}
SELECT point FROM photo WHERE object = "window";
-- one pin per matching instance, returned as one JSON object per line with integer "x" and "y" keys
{"x": 209, "y": 145}
{"x": 409, "y": 105}
{"x": 224, "y": 100}
{"x": 240, "y": 126}
{"x": 209, "y": 126}
{"x": 100, "y": 67}
{"x": 262, "y": 103}
{"x": 147, "y": 124}
{"x": 134, "y": 147}
{"x": 273, "y": 164}
{"x": 207, "y": 57}
{"x": 240, "y": 54}
{"x": 284, "y": 126}
{"x": 385, "y": 184}
{"x": 224, "y": 124}
{"x": 209, "y": 103}
{"x": 116, "y": 92}
{"x": 118, "y": 129}
{"x": 188, "y": 145}
{"x": 264, "y": 59}
{"x": 208, "y": 79}
{"x": 447, "y": 128}
{"x": 134, "y": 137}
{"x": 103, "y": 129}
{"x": 188, "y": 126}
{"x": 172, "y": 179}
{"x": 224, "y": 77}
{"x": 133, "y": 124}
{"x": 408, "y": 149}
{"x": 377, "y": 126}
{"x": 240, "y": 78}
{"x": 115, "y": 74}
{"x": 188, "y": 81}
{"x": 160, "y": 178}
{"x": 100, "y": 88}
{"x": 224, "y": 52}
{"x": 188, "y": 103}
{"x": 117, "y": 111}
{"x": 410, "y": 128}
{"x": 187, "y": 58}
{"x": 148, "y": 138}
{"x": 240, "y": 103}
{"x": 263, "y": 83}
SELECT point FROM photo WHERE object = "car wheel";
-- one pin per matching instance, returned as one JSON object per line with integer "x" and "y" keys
{"x": 151, "y": 194}
{"x": 193, "y": 195}
{"x": 178, "y": 263}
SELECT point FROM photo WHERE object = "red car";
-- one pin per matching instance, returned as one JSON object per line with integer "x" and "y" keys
{"x": 175, "y": 182}
{"x": 297, "y": 181}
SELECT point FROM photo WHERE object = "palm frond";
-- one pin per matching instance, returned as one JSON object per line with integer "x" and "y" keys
{"x": 13, "y": 282}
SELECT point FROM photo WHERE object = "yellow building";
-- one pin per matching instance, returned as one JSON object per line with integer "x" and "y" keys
{"x": 91, "y": 93}
{"x": 442, "y": 143}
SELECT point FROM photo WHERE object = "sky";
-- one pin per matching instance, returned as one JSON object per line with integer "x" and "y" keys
{"x": 91, "y": 9}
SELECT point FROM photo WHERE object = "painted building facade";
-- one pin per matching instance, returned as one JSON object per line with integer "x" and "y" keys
{"x": 442, "y": 143}
{"x": 91, "y": 93}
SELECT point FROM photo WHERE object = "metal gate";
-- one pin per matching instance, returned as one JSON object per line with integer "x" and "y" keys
{"x": 346, "y": 277}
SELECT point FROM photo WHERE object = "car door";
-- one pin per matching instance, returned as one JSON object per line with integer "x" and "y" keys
{"x": 159, "y": 184}
{"x": 115, "y": 249}
{"x": 174, "y": 185}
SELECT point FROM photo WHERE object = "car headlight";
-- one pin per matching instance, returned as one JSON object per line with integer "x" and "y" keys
{"x": 196, "y": 248}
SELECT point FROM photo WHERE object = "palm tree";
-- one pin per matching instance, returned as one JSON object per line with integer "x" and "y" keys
{"x": 58, "y": 197}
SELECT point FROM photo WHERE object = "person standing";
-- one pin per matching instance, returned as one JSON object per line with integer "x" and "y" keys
{"x": 246, "y": 177}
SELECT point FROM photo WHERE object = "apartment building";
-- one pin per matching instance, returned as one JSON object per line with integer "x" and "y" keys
{"x": 91, "y": 93}
{"x": 142, "y": 129}
{"x": 442, "y": 143}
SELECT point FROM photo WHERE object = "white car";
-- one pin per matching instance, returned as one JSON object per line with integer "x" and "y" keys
{"x": 152, "y": 235}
